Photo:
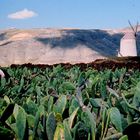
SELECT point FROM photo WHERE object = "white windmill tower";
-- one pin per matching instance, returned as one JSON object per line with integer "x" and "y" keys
{"x": 128, "y": 44}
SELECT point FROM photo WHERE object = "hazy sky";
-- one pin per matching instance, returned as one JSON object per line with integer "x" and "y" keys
{"x": 68, "y": 13}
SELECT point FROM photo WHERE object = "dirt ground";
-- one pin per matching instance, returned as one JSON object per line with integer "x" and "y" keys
{"x": 99, "y": 64}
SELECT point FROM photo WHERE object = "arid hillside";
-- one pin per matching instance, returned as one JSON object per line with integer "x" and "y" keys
{"x": 51, "y": 46}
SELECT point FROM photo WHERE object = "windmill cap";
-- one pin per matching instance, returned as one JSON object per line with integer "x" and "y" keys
{"x": 129, "y": 35}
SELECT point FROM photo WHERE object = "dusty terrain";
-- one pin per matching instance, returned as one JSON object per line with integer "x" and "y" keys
{"x": 52, "y": 46}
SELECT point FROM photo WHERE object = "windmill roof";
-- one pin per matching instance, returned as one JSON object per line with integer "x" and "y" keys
{"x": 129, "y": 35}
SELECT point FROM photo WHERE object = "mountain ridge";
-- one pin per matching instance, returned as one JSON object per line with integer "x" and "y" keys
{"x": 51, "y": 45}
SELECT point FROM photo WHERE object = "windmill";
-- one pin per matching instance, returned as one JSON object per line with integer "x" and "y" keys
{"x": 128, "y": 44}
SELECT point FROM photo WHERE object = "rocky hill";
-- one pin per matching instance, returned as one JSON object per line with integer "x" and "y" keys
{"x": 51, "y": 46}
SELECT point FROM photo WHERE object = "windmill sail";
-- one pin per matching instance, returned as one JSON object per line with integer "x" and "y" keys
{"x": 131, "y": 26}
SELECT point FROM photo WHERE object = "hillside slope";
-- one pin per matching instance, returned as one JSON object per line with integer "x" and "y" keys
{"x": 50, "y": 46}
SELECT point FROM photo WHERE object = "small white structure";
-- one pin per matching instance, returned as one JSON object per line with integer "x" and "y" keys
{"x": 2, "y": 73}
{"x": 128, "y": 45}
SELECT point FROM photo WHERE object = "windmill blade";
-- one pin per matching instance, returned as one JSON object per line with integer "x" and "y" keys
{"x": 137, "y": 27}
{"x": 131, "y": 26}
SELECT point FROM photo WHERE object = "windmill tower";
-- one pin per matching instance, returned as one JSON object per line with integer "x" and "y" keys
{"x": 128, "y": 44}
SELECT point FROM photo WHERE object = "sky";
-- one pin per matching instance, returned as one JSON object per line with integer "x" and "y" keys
{"x": 85, "y": 14}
